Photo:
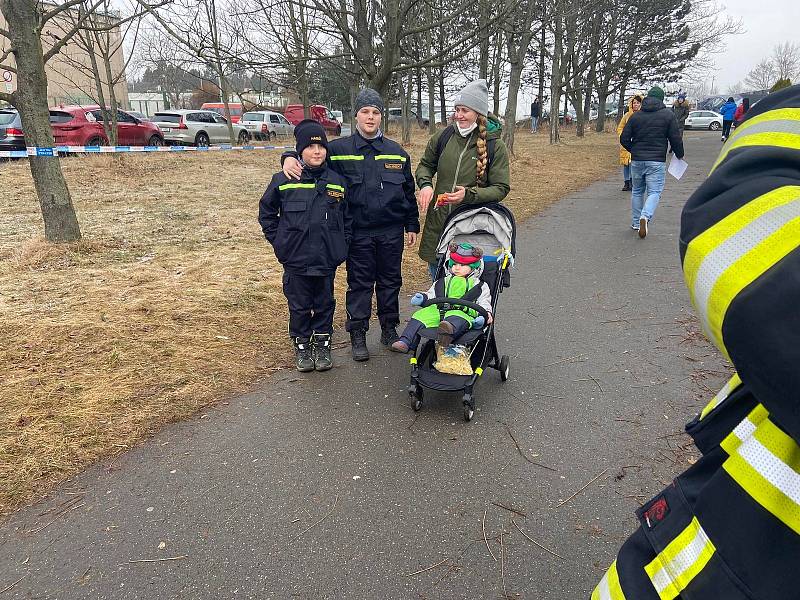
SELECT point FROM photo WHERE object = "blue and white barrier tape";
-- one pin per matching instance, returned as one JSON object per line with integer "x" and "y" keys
{"x": 39, "y": 151}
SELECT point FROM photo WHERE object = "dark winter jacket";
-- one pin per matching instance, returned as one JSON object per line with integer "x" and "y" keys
{"x": 648, "y": 132}
{"x": 536, "y": 109}
{"x": 728, "y": 110}
{"x": 681, "y": 111}
{"x": 380, "y": 186}
{"x": 307, "y": 221}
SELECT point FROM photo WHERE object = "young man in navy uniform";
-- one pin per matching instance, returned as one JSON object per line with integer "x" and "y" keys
{"x": 308, "y": 224}
{"x": 381, "y": 198}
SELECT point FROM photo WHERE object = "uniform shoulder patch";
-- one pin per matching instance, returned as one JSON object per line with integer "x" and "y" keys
{"x": 393, "y": 166}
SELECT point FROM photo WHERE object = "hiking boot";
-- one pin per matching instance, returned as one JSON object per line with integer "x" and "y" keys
{"x": 358, "y": 343}
{"x": 304, "y": 356}
{"x": 389, "y": 335}
{"x": 446, "y": 331}
{"x": 322, "y": 351}
{"x": 642, "y": 227}
{"x": 627, "y": 187}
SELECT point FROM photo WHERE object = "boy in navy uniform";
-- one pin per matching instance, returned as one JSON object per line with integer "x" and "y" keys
{"x": 381, "y": 198}
{"x": 309, "y": 226}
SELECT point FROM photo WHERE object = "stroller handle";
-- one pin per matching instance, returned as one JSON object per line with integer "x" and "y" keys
{"x": 453, "y": 302}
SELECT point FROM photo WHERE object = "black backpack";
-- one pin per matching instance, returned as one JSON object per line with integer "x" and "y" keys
{"x": 448, "y": 132}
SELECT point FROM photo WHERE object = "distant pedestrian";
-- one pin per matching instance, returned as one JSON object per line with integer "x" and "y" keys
{"x": 536, "y": 114}
{"x": 741, "y": 111}
{"x": 634, "y": 104}
{"x": 646, "y": 136}
{"x": 680, "y": 109}
{"x": 728, "y": 111}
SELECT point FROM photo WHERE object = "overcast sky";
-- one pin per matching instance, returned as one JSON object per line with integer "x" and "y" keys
{"x": 766, "y": 23}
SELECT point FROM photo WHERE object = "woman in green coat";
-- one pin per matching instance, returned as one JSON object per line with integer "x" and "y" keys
{"x": 466, "y": 170}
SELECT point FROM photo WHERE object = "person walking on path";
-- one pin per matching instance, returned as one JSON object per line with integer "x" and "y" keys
{"x": 680, "y": 109}
{"x": 470, "y": 162}
{"x": 309, "y": 226}
{"x": 634, "y": 104}
{"x": 381, "y": 198}
{"x": 728, "y": 112}
{"x": 741, "y": 112}
{"x": 646, "y": 136}
{"x": 536, "y": 114}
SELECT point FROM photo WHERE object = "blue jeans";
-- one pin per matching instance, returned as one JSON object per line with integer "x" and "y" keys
{"x": 626, "y": 172}
{"x": 534, "y": 124}
{"x": 646, "y": 175}
{"x": 432, "y": 270}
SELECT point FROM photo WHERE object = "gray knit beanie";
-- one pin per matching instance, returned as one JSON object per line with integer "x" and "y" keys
{"x": 475, "y": 96}
{"x": 368, "y": 97}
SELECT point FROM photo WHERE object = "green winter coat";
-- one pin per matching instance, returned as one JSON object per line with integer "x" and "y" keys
{"x": 494, "y": 189}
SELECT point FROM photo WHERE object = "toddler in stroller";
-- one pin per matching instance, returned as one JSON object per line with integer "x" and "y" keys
{"x": 462, "y": 280}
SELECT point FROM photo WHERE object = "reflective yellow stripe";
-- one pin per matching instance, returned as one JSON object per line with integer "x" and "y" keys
{"x": 609, "y": 587}
{"x": 390, "y": 157}
{"x": 722, "y": 395}
{"x": 745, "y": 136}
{"x": 290, "y": 186}
{"x": 333, "y": 186}
{"x": 684, "y": 557}
{"x": 734, "y": 252}
{"x": 765, "y": 462}
{"x": 479, "y": 371}
{"x": 347, "y": 157}
{"x": 413, "y": 361}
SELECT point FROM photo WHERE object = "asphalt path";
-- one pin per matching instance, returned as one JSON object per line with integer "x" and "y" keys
{"x": 330, "y": 486}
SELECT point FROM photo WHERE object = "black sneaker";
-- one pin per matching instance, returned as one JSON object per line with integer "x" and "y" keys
{"x": 304, "y": 356}
{"x": 358, "y": 342}
{"x": 389, "y": 335}
{"x": 322, "y": 351}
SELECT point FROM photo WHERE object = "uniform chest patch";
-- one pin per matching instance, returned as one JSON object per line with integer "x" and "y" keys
{"x": 335, "y": 194}
{"x": 393, "y": 166}
{"x": 656, "y": 512}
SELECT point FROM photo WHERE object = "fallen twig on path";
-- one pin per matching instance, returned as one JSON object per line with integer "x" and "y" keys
{"x": 439, "y": 564}
{"x": 534, "y": 542}
{"x": 152, "y": 560}
{"x": 335, "y": 502}
{"x": 56, "y": 518}
{"x": 563, "y": 502}
{"x": 483, "y": 527}
{"x": 509, "y": 509}
{"x": 525, "y": 456}
{"x": 5, "y": 589}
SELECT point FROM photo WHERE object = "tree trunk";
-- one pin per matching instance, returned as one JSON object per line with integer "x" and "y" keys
{"x": 58, "y": 213}
{"x": 483, "y": 47}
{"x": 621, "y": 100}
{"x": 496, "y": 74}
{"x": 511, "y": 103}
{"x": 405, "y": 102}
{"x": 602, "y": 97}
{"x": 420, "y": 122}
{"x": 431, "y": 101}
{"x": 555, "y": 78}
{"x": 442, "y": 97}
{"x": 542, "y": 49}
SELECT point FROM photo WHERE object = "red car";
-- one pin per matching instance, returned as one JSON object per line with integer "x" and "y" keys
{"x": 83, "y": 126}
{"x": 294, "y": 114}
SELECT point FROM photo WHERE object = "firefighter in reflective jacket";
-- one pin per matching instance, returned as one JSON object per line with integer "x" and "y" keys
{"x": 381, "y": 198}
{"x": 729, "y": 527}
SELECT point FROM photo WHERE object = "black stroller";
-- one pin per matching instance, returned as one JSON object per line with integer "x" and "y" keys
{"x": 490, "y": 226}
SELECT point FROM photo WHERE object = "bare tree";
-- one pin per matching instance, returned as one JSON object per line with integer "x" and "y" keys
{"x": 519, "y": 32}
{"x": 786, "y": 60}
{"x": 762, "y": 76}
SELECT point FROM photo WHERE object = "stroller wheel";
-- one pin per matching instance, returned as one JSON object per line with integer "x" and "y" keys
{"x": 416, "y": 398}
{"x": 504, "y": 367}
{"x": 469, "y": 407}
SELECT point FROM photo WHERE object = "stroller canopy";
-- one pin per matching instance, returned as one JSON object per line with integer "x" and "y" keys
{"x": 490, "y": 226}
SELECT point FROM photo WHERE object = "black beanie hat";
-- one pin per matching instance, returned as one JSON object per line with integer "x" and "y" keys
{"x": 307, "y": 132}
{"x": 368, "y": 97}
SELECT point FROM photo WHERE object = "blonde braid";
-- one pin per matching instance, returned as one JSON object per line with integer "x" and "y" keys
{"x": 483, "y": 156}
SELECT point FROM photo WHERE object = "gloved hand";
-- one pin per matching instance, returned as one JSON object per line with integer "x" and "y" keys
{"x": 417, "y": 299}
{"x": 478, "y": 322}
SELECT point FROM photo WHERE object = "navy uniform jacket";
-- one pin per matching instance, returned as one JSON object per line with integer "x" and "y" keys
{"x": 380, "y": 185}
{"x": 307, "y": 222}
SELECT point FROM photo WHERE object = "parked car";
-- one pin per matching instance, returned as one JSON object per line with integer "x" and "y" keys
{"x": 236, "y": 109}
{"x": 196, "y": 127}
{"x": 138, "y": 115}
{"x": 395, "y": 115}
{"x": 83, "y": 126}
{"x": 265, "y": 125}
{"x": 337, "y": 114}
{"x": 704, "y": 119}
{"x": 11, "y": 136}
{"x": 294, "y": 114}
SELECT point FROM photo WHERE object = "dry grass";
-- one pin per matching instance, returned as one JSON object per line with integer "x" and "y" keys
{"x": 172, "y": 301}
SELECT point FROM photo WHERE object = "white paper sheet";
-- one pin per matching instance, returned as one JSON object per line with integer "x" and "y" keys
{"x": 677, "y": 167}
